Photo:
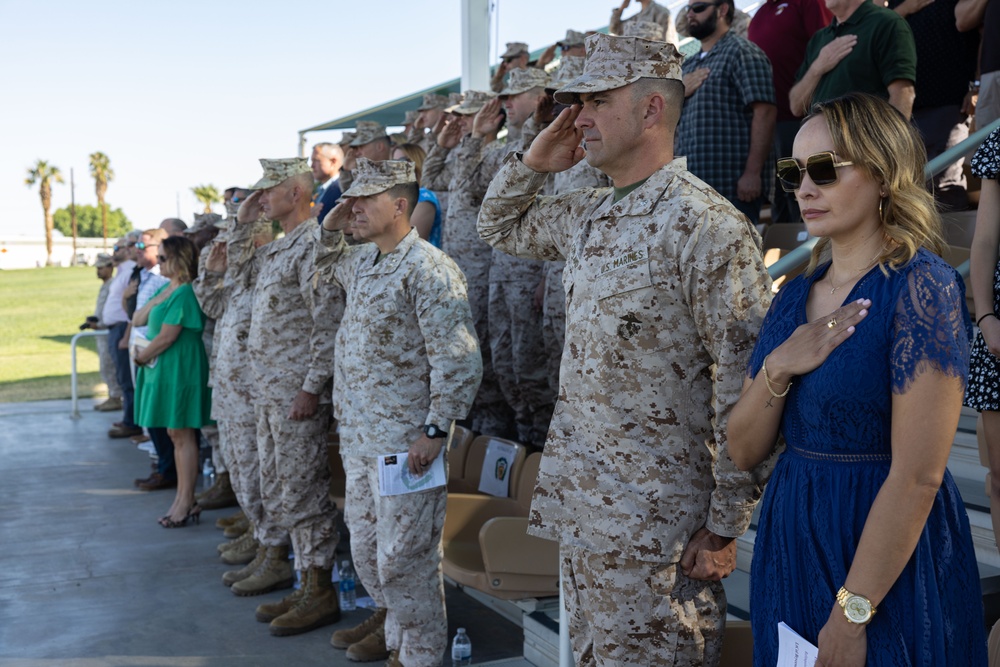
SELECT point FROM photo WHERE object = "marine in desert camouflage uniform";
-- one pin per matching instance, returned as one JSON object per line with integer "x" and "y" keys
{"x": 290, "y": 347}
{"x": 666, "y": 292}
{"x": 407, "y": 366}
{"x": 448, "y": 165}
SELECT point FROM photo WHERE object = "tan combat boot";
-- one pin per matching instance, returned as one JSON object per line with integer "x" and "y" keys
{"x": 393, "y": 660}
{"x": 348, "y": 636}
{"x": 243, "y": 550}
{"x": 274, "y": 573}
{"x": 238, "y": 528}
{"x": 232, "y": 576}
{"x": 239, "y": 543}
{"x": 319, "y": 605}
{"x": 269, "y": 611}
{"x": 220, "y": 495}
{"x": 227, "y": 521}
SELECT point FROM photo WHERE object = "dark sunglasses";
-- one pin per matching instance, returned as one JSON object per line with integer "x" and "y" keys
{"x": 699, "y": 7}
{"x": 117, "y": 247}
{"x": 161, "y": 258}
{"x": 142, "y": 246}
{"x": 821, "y": 167}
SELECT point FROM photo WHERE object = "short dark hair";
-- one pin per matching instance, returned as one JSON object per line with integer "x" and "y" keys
{"x": 730, "y": 16}
{"x": 408, "y": 191}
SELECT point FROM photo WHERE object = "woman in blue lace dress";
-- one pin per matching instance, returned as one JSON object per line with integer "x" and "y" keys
{"x": 863, "y": 544}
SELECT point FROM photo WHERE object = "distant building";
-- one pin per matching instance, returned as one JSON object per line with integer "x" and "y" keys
{"x": 28, "y": 252}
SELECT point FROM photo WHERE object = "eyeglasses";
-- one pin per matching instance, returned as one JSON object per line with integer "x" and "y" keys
{"x": 161, "y": 258}
{"x": 142, "y": 246}
{"x": 821, "y": 167}
{"x": 117, "y": 247}
{"x": 699, "y": 7}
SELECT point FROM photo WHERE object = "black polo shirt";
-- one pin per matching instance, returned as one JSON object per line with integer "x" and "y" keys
{"x": 884, "y": 53}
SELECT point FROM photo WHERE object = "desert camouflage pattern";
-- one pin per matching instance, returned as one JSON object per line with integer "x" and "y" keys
{"x": 212, "y": 297}
{"x": 407, "y": 353}
{"x": 472, "y": 101}
{"x": 347, "y": 138}
{"x": 372, "y": 178}
{"x": 238, "y": 438}
{"x": 570, "y": 67}
{"x": 637, "y": 612}
{"x": 653, "y": 13}
{"x": 410, "y": 117}
{"x": 396, "y": 549}
{"x": 572, "y": 38}
{"x": 203, "y": 221}
{"x": 646, "y": 30}
{"x": 613, "y": 62}
{"x": 278, "y": 171}
{"x": 514, "y": 49}
{"x": 367, "y": 131}
{"x": 433, "y": 101}
{"x": 666, "y": 290}
{"x": 523, "y": 80}
{"x": 295, "y": 483}
{"x": 581, "y": 175}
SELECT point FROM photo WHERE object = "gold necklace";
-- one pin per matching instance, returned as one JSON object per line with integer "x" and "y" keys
{"x": 829, "y": 275}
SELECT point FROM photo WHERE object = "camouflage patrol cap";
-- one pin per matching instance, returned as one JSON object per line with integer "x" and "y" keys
{"x": 432, "y": 101}
{"x": 523, "y": 80}
{"x": 204, "y": 221}
{"x": 347, "y": 138}
{"x": 573, "y": 38}
{"x": 278, "y": 171}
{"x": 368, "y": 131}
{"x": 473, "y": 101}
{"x": 410, "y": 117}
{"x": 570, "y": 67}
{"x": 103, "y": 259}
{"x": 514, "y": 49}
{"x": 371, "y": 178}
{"x": 645, "y": 30}
{"x": 454, "y": 98}
{"x": 614, "y": 62}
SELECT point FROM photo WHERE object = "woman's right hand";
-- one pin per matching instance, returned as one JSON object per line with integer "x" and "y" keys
{"x": 991, "y": 334}
{"x": 810, "y": 344}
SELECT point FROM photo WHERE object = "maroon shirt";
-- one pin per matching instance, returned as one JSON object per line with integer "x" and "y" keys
{"x": 782, "y": 28}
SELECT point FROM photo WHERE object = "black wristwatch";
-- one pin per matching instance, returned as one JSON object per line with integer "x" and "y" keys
{"x": 432, "y": 431}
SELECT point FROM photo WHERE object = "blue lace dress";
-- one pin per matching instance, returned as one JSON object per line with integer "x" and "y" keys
{"x": 837, "y": 425}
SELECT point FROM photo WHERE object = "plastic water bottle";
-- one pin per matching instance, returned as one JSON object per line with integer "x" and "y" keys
{"x": 461, "y": 649}
{"x": 348, "y": 595}
{"x": 208, "y": 473}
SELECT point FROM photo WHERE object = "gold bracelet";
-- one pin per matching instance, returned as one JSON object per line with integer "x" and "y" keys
{"x": 767, "y": 381}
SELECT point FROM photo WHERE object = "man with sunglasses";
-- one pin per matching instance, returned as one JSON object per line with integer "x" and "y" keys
{"x": 727, "y": 126}
{"x": 866, "y": 49}
{"x": 666, "y": 290}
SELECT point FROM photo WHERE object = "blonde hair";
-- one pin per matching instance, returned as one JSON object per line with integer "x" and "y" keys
{"x": 873, "y": 135}
{"x": 415, "y": 153}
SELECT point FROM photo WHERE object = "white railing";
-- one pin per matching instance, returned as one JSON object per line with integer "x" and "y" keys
{"x": 90, "y": 333}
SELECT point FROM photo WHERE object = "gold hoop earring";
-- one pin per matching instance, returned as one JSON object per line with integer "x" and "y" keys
{"x": 881, "y": 210}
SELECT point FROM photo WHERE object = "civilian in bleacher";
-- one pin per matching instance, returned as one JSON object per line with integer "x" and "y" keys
{"x": 860, "y": 366}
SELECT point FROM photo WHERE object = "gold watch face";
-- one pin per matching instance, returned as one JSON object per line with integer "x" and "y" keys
{"x": 857, "y": 609}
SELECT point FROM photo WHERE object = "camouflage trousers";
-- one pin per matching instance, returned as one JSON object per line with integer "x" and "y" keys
{"x": 295, "y": 482}
{"x": 519, "y": 359}
{"x": 238, "y": 437}
{"x": 554, "y": 321}
{"x": 220, "y": 459}
{"x": 396, "y": 548}
{"x": 490, "y": 412}
{"x": 628, "y": 612}
{"x": 108, "y": 372}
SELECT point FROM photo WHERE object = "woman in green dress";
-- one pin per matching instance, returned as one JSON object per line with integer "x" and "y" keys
{"x": 172, "y": 381}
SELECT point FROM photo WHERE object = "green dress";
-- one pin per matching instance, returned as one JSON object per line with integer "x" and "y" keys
{"x": 175, "y": 393}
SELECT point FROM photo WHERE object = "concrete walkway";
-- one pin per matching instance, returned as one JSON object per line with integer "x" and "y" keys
{"x": 88, "y": 579}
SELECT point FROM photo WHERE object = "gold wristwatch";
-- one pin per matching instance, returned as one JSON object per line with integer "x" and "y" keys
{"x": 857, "y": 608}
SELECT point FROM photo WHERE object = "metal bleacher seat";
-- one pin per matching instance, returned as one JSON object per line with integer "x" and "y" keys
{"x": 779, "y": 239}
{"x": 458, "y": 450}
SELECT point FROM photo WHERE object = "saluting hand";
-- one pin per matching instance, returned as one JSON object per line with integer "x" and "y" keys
{"x": 340, "y": 216}
{"x": 557, "y": 147}
{"x": 451, "y": 134}
{"x": 487, "y": 121}
{"x": 217, "y": 260}
{"x": 250, "y": 209}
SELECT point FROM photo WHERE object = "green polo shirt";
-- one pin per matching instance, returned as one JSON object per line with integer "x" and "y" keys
{"x": 884, "y": 53}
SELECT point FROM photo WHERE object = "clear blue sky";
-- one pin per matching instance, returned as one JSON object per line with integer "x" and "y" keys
{"x": 187, "y": 92}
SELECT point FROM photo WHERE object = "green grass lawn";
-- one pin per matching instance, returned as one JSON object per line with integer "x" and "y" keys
{"x": 42, "y": 310}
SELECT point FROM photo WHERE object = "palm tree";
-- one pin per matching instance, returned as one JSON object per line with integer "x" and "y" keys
{"x": 44, "y": 174}
{"x": 100, "y": 169}
{"x": 207, "y": 195}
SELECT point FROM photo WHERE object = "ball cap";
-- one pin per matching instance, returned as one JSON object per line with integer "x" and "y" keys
{"x": 372, "y": 178}
{"x": 614, "y": 62}
{"x": 278, "y": 171}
